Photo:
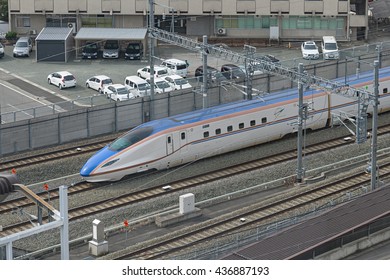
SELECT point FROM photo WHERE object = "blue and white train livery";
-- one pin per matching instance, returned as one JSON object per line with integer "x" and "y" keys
{"x": 172, "y": 141}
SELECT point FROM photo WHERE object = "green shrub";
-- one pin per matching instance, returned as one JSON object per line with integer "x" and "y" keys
{"x": 11, "y": 35}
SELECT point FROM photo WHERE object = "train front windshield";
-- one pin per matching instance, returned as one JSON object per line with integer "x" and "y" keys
{"x": 130, "y": 138}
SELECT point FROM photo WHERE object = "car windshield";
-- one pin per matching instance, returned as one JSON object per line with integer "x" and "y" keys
{"x": 237, "y": 71}
{"x": 22, "y": 44}
{"x": 90, "y": 48}
{"x": 106, "y": 81}
{"x": 181, "y": 66}
{"x": 144, "y": 86}
{"x": 162, "y": 84}
{"x": 331, "y": 46}
{"x": 111, "y": 45}
{"x": 310, "y": 47}
{"x": 69, "y": 78}
{"x": 130, "y": 138}
{"x": 122, "y": 91}
{"x": 181, "y": 82}
{"x": 133, "y": 48}
{"x": 162, "y": 72}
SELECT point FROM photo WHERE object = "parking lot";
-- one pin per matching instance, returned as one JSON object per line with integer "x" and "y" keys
{"x": 35, "y": 73}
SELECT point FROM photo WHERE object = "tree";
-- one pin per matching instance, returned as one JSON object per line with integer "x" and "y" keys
{"x": 4, "y": 10}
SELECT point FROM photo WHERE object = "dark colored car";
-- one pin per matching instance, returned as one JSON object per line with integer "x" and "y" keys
{"x": 215, "y": 76}
{"x": 233, "y": 72}
{"x": 134, "y": 51}
{"x": 269, "y": 58}
{"x": 90, "y": 50}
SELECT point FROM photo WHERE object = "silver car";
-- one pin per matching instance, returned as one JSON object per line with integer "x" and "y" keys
{"x": 111, "y": 49}
{"x": 23, "y": 47}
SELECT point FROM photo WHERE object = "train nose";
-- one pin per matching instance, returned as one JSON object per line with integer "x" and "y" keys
{"x": 87, "y": 169}
{"x": 91, "y": 166}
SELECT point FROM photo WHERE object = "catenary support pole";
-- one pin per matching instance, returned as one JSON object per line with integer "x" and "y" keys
{"x": 374, "y": 169}
{"x": 300, "y": 168}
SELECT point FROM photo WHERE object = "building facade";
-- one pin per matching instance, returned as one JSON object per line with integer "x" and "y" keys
{"x": 284, "y": 20}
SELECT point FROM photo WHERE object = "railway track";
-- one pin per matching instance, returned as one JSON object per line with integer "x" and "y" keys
{"x": 59, "y": 153}
{"x": 176, "y": 186}
{"x": 159, "y": 190}
{"x": 172, "y": 244}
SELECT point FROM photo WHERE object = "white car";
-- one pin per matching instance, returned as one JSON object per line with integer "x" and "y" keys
{"x": 118, "y": 92}
{"x": 62, "y": 79}
{"x": 160, "y": 85}
{"x": 310, "y": 50}
{"x": 159, "y": 71}
{"x": 98, "y": 82}
{"x": 177, "y": 82}
{"x": 1, "y": 50}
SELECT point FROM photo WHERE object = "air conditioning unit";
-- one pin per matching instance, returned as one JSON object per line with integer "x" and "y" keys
{"x": 221, "y": 31}
{"x": 72, "y": 25}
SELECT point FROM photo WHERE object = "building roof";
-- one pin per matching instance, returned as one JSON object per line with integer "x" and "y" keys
{"x": 54, "y": 33}
{"x": 86, "y": 33}
{"x": 332, "y": 224}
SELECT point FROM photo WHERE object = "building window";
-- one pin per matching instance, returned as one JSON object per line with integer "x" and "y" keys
{"x": 183, "y": 135}
{"x": 230, "y": 128}
{"x": 253, "y": 123}
{"x": 218, "y": 131}
{"x": 263, "y": 120}
{"x": 206, "y": 134}
{"x": 97, "y": 21}
{"x": 23, "y": 21}
{"x": 384, "y": 90}
{"x": 245, "y": 22}
{"x": 169, "y": 139}
{"x": 241, "y": 125}
{"x": 309, "y": 22}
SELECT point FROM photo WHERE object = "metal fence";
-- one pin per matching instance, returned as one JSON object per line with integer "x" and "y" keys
{"x": 64, "y": 122}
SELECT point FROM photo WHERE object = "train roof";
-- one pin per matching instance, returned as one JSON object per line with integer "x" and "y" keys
{"x": 234, "y": 107}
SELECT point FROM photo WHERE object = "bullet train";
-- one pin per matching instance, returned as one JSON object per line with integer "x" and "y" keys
{"x": 172, "y": 141}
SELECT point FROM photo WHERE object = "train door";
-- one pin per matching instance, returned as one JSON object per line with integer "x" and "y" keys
{"x": 169, "y": 144}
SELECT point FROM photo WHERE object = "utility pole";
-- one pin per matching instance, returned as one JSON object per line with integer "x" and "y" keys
{"x": 300, "y": 168}
{"x": 249, "y": 53}
{"x": 374, "y": 169}
{"x": 205, "y": 74}
{"x": 151, "y": 58}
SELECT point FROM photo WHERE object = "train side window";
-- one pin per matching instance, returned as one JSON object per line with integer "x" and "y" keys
{"x": 263, "y": 120}
{"x": 183, "y": 136}
{"x": 169, "y": 140}
{"x": 241, "y": 125}
{"x": 253, "y": 122}
{"x": 218, "y": 131}
{"x": 206, "y": 134}
{"x": 384, "y": 90}
{"x": 230, "y": 128}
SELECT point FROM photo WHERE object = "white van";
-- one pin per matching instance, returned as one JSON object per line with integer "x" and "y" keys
{"x": 176, "y": 66}
{"x": 330, "y": 50}
{"x": 137, "y": 86}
